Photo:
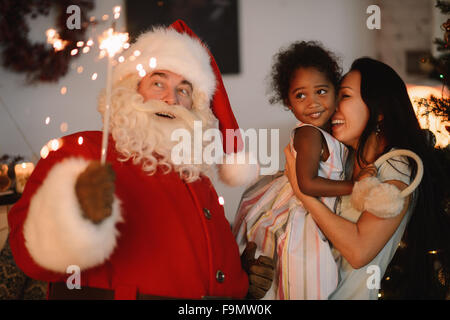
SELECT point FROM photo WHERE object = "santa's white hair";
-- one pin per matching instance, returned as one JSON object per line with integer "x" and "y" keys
{"x": 145, "y": 137}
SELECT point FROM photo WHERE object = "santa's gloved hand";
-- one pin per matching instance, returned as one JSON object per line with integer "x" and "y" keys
{"x": 260, "y": 272}
{"x": 95, "y": 191}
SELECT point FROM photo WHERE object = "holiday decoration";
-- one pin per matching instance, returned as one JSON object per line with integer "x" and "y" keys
{"x": 8, "y": 179}
{"x": 446, "y": 27}
{"x": 37, "y": 60}
{"x": 432, "y": 118}
{"x": 23, "y": 172}
{"x": 5, "y": 181}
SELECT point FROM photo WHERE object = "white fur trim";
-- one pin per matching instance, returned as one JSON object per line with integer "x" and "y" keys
{"x": 173, "y": 51}
{"x": 361, "y": 190}
{"x": 384, "y": 201}
{"x": 56, "y": 233}
{"x": 381, "y": 199}
{"x": 239, "y": 169}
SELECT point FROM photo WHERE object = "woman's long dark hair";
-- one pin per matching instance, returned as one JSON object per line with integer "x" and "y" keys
{"x": 421, "y": 266}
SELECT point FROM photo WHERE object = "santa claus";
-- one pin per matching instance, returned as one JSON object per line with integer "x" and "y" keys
{"x": 141, "y": 227}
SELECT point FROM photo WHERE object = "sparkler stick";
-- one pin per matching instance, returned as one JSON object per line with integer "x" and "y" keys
{"x": 113, "y": 43}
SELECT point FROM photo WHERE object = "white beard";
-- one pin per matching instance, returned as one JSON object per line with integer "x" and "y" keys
{"x": 145, "y": 137}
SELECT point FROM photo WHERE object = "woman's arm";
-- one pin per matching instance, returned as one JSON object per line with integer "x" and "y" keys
{"x": 308, "y": 144}
{"x": 358, "y": 242}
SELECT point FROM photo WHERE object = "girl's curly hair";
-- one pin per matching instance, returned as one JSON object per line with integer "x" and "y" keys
{"x": 302, "y": 54}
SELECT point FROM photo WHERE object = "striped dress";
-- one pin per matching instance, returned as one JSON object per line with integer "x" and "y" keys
{"x": 271, "y": 216}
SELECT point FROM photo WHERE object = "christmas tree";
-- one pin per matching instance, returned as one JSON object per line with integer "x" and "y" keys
{"x": 397, "y": 279}
{"x": 440, "y": 106}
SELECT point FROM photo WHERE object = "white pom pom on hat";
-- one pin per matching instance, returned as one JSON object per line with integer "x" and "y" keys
{"x": 239, "y": 169}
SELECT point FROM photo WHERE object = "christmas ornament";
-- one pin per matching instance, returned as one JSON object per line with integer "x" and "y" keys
{"x": 446, "y": 28}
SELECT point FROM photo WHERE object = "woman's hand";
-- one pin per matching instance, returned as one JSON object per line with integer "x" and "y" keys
{"x": 358, "y": 242}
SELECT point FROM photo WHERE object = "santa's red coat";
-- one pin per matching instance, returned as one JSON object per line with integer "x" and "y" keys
{"x": 168, "y": 244}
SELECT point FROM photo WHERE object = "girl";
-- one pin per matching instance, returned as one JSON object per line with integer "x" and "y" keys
{"x": 374, "y": 116}
{"x": 304, "y": 79}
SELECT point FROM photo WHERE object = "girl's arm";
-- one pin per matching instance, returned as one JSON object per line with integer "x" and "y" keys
{"x": 358, "y": 242}
{"x": 308, "y": 144}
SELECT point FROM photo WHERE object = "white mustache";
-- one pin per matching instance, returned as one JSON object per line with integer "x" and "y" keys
{"x": 176, "y": 112}
{"x": 152, "y": 105}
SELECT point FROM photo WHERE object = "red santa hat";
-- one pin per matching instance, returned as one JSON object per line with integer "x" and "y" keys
{"x": 178, "y": 49}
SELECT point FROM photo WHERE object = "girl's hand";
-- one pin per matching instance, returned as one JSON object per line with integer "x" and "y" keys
{"x": 369, "y": 171}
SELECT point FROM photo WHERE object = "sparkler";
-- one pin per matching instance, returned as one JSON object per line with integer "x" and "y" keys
{"x": 112, "y": 42}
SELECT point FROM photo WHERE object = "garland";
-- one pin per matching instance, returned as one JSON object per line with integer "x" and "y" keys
{"x": 39, "y": 61}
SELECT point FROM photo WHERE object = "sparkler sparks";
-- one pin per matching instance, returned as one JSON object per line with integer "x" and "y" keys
{"x": 54, "y": 39}
{"x": 113, "y": 42}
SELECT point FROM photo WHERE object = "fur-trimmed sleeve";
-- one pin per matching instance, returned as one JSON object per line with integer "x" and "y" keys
{"x": 56, "y": 233}
{"x": 48, "y": 232}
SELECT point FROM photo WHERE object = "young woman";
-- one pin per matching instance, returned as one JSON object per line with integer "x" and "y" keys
{"x": 374, "y": 116}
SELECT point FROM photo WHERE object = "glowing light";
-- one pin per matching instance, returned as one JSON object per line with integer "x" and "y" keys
{"x": 54, "y": 144}
{"x": 80, "y": 44}
{"x": 102, "y": 54}
{"x": 137, "y": 53}
{"x": 432, "y": 252}
{"x": 105, "y": 17}
{"x": 50, "y": 33}
{"x": 126, "y": 45}
{"x": 74, "y": 52}
{"x": 139, "y": 67}
{"x": 117, "y": 12}
{"x": 44, "y": 152}
{"x": 63, "y": 90}
{"x": 80, "y": 140}
{"x": 92, "y": 19}
{"x": 429, "y": 120}
{"x": 86, "y": 49}
{"x": 121, "y": 59}
{"x": 58, "y": 45}
{"x": 94, "y": 76}
{"x": 152, "y": 63}
{"x": 47, "y": 120}
{"x": 90, "y": 43}
{"x": 63, "y": 127}
{"x": 54, "y": 40}
{"x": 142, "y": 73}
{"x": 113, "y": 42}
{"x": 80, "y": 69}
{"x": 379, "y": 295}
{"x": 221, "y": 201}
